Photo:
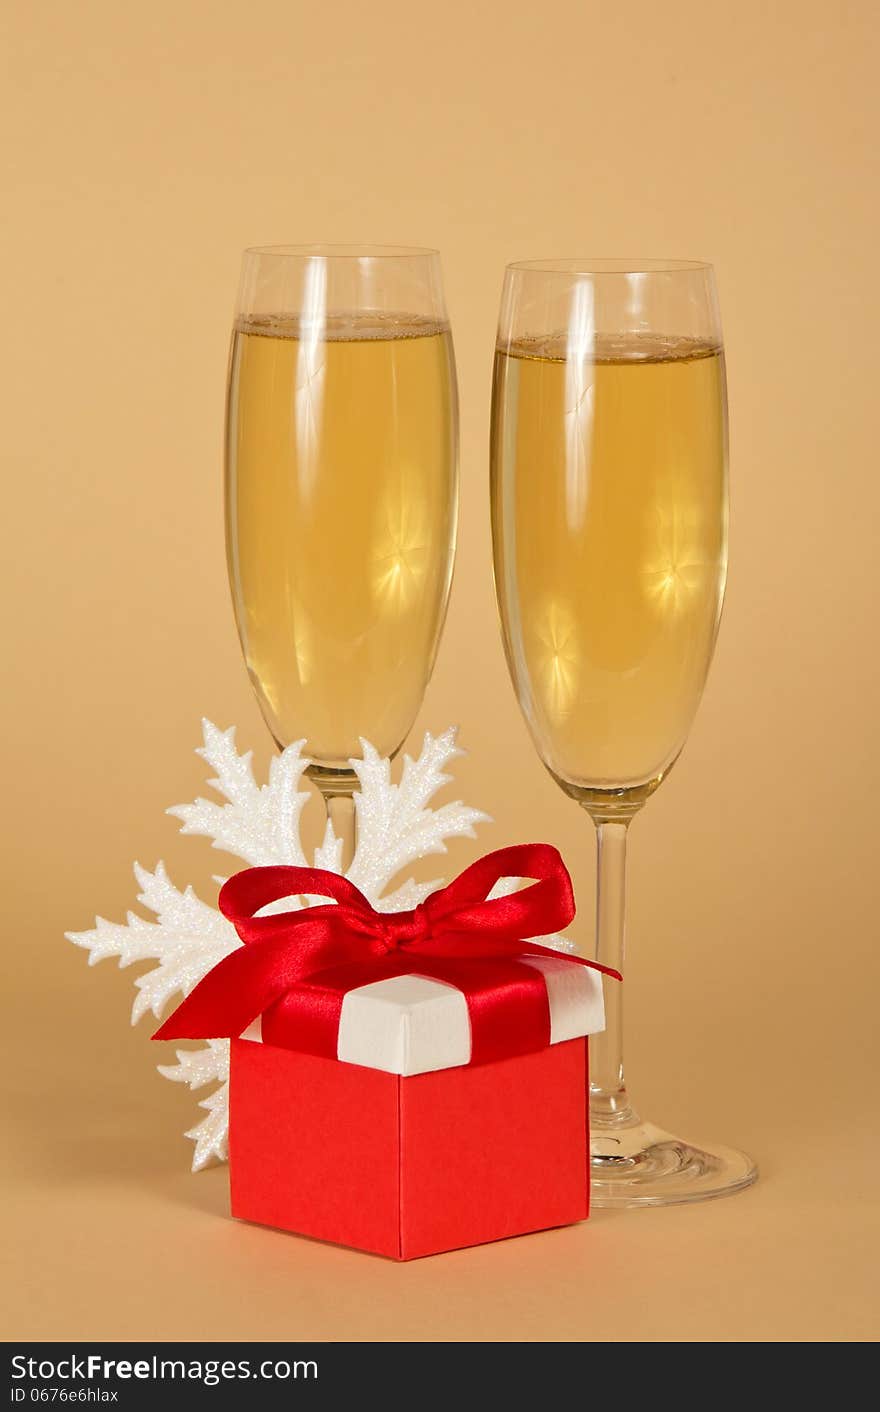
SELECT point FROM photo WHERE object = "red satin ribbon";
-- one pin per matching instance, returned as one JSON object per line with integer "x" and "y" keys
{"x": 297, "y": 966}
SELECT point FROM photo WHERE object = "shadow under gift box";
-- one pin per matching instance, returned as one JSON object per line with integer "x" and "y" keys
{"x": 400, "y": 1146}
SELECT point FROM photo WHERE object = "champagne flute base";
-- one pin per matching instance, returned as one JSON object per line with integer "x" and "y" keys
{"x": 641, "y": 1165}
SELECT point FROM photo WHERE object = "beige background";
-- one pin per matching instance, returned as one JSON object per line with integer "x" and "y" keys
{"x": 146, "y": 145}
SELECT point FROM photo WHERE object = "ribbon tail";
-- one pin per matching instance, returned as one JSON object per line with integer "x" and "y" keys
{"x": 531, "y": 948}
{"x": 462, "y": 944}
{"x": 234, "y": 993}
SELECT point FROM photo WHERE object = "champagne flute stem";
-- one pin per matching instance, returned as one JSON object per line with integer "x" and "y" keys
{"x": 609, "y": 1103}
{"x": 341, "y": 814}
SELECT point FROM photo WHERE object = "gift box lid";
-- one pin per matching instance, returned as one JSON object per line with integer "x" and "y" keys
{"x": 463, "y": 978}
{"x": 411, "y": 1024}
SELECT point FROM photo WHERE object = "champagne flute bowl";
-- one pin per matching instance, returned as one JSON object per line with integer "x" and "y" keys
{"x": 341, "y": 496}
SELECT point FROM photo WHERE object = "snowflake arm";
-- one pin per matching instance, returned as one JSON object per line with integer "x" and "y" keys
{"x": 188, "y": 938}
{"x": 211, "y": 1135}
{"x": 395, "y": 827}
{"x": 259, "y": 824}
{"x": 197, "y": 1067}
{"x": 329, "y": 853}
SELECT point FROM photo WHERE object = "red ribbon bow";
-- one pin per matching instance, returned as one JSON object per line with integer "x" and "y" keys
{"x": 296, "y": 966}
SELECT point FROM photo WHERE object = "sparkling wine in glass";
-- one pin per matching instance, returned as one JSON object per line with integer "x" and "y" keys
{"x": 609, "y": 516}
{"x": 341, "y": 496}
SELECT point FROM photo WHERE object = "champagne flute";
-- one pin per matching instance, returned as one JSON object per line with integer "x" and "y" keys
{"x": 341, "y": 496}
{"x": 609, "y": 517}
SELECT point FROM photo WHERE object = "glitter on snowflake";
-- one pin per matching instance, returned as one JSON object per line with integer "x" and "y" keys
{"x": 260, "y": 825}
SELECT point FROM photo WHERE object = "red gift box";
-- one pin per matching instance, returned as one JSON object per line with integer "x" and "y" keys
{"x": 408, "y": 1166}
{"x": 412, "y": 1082}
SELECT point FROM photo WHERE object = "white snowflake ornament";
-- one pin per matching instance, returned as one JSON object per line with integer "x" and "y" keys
{"x": 260, "y": 825}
